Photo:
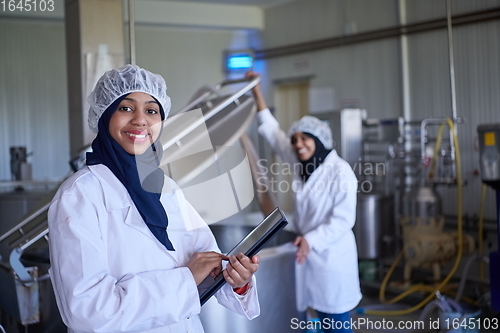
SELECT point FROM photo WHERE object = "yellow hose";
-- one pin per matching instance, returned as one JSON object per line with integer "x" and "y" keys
{"x": 386, "y": 281}
{"x": 480, "y": 231}
{"x": 409, "y": 291}
{"x": 460, "y": 243}
{"x": 381, "y": 293}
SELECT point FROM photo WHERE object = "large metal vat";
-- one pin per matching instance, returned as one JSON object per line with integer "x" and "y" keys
{"x": 49, "y": 319}
{"x": 19, "y": 303}
{"x": 374, "y": 226}
{"x": 276, "y": 287}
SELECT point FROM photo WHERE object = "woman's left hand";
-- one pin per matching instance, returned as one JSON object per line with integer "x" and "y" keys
{"x": 240, "y": 269}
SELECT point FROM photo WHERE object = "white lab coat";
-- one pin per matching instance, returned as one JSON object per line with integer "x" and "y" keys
{"x": 111, "y": 274}
{"x": 324, "y": 213}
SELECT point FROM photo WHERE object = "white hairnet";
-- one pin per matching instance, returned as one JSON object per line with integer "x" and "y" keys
{"x": 118, "y": 82}
{"x": 314, "y": 126}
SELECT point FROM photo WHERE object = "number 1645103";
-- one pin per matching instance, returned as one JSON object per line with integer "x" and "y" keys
{"x": 27, "y": 5}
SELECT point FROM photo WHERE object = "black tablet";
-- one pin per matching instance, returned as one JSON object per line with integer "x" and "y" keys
{"x": 250, "y": 246}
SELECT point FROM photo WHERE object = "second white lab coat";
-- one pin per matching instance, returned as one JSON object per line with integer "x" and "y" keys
{"x": 324, "y": 213}
{"x": 111, "y": 274}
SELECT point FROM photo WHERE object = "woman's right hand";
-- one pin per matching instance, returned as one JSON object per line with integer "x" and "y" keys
{"x": 257, "y": 93}
{"x": 251, "y": 75}
{"x": 203, "y": 263}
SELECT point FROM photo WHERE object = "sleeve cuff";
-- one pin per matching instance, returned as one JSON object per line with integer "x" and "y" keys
{"x": 242, "y": 290}
{"x": 192, "y": 289}
{"x": 264, "y": 116}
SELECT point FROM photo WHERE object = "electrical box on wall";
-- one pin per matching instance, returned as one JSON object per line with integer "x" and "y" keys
{"x": 238, "y": 61}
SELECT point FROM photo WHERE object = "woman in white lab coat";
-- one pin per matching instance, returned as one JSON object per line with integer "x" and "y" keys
{"x": 324, "y": 188}
{"x": 127, "y": 250}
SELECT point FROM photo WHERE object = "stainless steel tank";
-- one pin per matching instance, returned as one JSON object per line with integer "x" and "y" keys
{"x": 18, "y": 157}
{"x": 18, "y": 303}
{"x": 275, "y": 285}
{"x": 49, "y": 318}
{"x": 374, "y": 225}
{"x": 14, "y": 204}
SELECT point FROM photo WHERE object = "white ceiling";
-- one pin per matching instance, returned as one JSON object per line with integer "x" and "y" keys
{"x": 261, "y": 3}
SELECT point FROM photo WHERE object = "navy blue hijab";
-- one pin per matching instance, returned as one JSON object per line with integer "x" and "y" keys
{"x": 130, "y": 169}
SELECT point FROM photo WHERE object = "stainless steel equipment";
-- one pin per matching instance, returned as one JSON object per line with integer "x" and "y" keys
{"x": 347, "y": 132}
{"x": 18, "y": 156}
{"x": 378, "y": 185}
{"x": 374, "y": 225}
{"x": 276, "y": 286}
{"x": 426, "y": 244}
{"x": 33, "y": 302}
{"x": 422, "y": 203}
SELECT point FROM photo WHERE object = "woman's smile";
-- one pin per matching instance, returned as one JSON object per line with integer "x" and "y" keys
{"x": 138, "y": 136}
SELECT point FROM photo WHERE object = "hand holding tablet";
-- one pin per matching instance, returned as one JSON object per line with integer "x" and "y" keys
{"x": 240, "y": 269}
{"x": 249, "y": 246}
{"x": 202, "y": 264}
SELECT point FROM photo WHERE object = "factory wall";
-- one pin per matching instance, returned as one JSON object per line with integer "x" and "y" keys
{"x": 188, "y": 58}
{"x": 420, "y": 10}
{"x": 33, "y": 101}
{"x": 369, "y": 74}
{"x": 365, "y": 74}
{"x": 303, "y": 21}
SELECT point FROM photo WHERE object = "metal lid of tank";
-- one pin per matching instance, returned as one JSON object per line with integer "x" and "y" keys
{"x": 203, "y": 149}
